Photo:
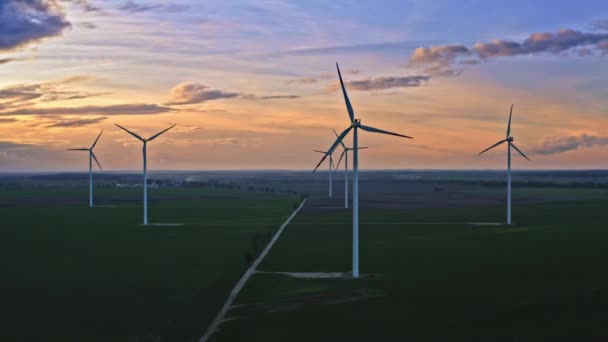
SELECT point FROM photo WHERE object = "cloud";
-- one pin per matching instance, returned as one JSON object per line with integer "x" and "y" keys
{"x": 324, "y": 76}
{"x": 133, "y": 7}
{"x": 559, "y": 144}
{"x": 87, "y": 24}
{"x": 279, "y": 97}
{"x": 381, "y": 83}
{"x": 449, "y": 59}
{"x": 77, "y": 122}
{"x": 189, "y": 93}
{"x": 24, "y": 22}
{"x": 7, "y": 60}
{"x": 601, "y": 25}
{"x": 7, "y": 120}
{"x": 20, "y": 94}
{"x": 86, "y": 5}
{"x": 10, "y": 145}
{"x": 303, "y": 80}
{"x": 121, "y": 109}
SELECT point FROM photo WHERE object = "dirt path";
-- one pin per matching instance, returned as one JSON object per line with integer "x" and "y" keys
{"x": 220, "y": 316}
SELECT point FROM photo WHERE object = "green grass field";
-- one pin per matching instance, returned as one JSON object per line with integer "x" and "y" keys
{"x": 70, "y": 273}
{"x": 542, "y": 279}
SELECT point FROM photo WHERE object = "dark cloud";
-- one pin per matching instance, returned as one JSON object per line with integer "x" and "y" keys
{"x": 449, "y": 59}
{"x": 7, "y": 60}
{"x": 553, "y": 145}
{"x": 77, "y": 122}
{"x": 122, "y": 109}
{"x": 21, "y": 94}
{"x": 28, "y": 21}
{"x": 7, "y": 120}
{"x": 189, "y": 93}
{"x": 279, "y": 97}
{"x": 88, "y": 25}
{"x": 10, "y": 145}
{"x": 133, "y": 7}
{"x": 302, "y": 80}
{"x": 86, "y": 5}
{"x": 381, "y": 83}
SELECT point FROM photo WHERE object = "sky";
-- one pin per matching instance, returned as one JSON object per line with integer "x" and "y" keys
{"x": 253, "y": 84}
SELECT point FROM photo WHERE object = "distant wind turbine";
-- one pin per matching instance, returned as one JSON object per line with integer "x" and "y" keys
{"x": 91, "y": 157}
{"x": 345, "y": 156}
{"x": 508, "y": 139}
{"x": 145, "y": 141}
{"x": 331, "y": 165}
{"x": 355, "y": 125}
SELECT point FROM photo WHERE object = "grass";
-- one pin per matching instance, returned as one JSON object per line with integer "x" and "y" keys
{"x": 542, "y": 279}
{"x": 71, "y": 273}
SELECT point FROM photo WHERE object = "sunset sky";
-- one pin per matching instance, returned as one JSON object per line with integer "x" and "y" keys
{"x": 253, "y": 85}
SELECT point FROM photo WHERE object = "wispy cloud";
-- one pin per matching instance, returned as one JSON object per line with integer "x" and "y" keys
{"x": 7, "y": 60}
{"x": 190, "y": 93}
{"x": 560, "y": 144}
{"x": 85, "y": 5}
{"x": 449, "y": 59}
{"x": 278, "y": 97}
{"x": 25, "y": 22}
{"x": 382, "y": 83}
{"x": 76, "y": 122}
{"x": 302, "y": 80}
{"x": 134, "y": 7}
{"x": 131, "y": 6}
{"x": 20, "y": 94}
{"x": 7, "y": 120}
{"x": 120, "y": 109}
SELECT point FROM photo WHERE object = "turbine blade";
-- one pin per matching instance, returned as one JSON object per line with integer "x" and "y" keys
{"x": 77, "y": 149}
{"x": 349, "y": 107}
{"x": 320, "y": 151}
{"x": 376, "y": 130}
{"x": 509, "y": 126}
{"x": 491, "y": 147}
{"x": 133, "y": 134}
{"x": 333, "y": 147}
{"x": 341, "y": 143}
{"x": 340, "y": 160}
{"x": 159, "y": 133}
{"x": 520, "y": 152}
{"x": 364, "y": 147}
{"x": 97, "y": 161}
{"x": 96, "y": 140}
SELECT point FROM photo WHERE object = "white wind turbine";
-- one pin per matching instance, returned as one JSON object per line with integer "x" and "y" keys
{"x": 355, "y": 125}
{"x": 345, "y": 156}
{"x": 331, "y": 166}
{"x": 145, "y": 141}
{"x": 509, "y": 139}
{"x": 91, "y": 158}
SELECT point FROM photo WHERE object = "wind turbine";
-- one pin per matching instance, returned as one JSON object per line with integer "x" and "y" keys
{"x": 145, "y": 141}
{"x": 355, "y": 125}
{"x": 91, "y": 157}
{"x": 331, "y": 165}
{"x": 509, "y": 139}
{"x": 345, "y": 155}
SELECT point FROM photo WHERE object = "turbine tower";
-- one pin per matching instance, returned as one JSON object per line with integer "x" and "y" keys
{"x": 91, "y": 158}
{"x": 145, "y": 141}
{"x": 345, "y": 155}
{"x": 509, "y": 139}
{"x": 331, "y": 165}
{"x": 355, "y": 125}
